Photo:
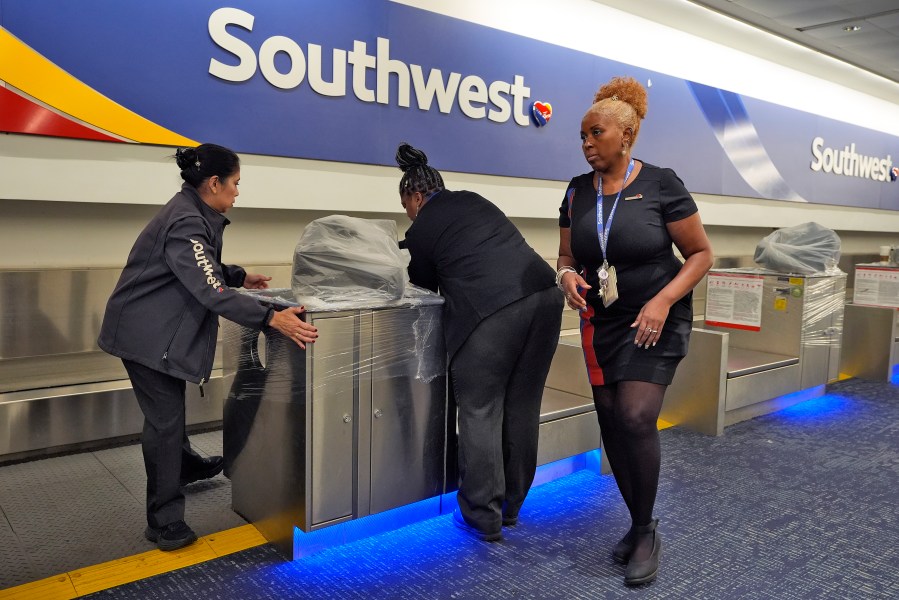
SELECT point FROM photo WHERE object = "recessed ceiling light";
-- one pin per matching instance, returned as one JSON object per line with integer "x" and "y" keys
{"x": 851, "y": 28}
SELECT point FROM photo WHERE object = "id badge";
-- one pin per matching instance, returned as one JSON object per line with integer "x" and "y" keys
{"x": 609, "y": 289}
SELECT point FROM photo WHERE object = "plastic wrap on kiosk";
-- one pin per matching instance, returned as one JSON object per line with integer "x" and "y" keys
{"x": 806, "y": 249}
{"x": 343, "y": 262}
{"x": 812, "y": 251}
{"x": 399, "y": 348}
{"x": 351, "y": 277}
{"x": 824, "y": 298}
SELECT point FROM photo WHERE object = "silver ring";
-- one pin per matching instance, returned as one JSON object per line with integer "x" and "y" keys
{"x": 653, "y": 331}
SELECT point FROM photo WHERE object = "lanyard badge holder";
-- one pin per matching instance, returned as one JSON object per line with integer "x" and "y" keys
{"x": 608, "y": 284}
{"x": 608, "y": 278}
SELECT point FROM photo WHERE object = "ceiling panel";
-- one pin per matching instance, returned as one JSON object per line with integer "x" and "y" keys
{"x": 835, "y": 34}
{"x": 819, "y": 24}
{"x": 870, "y": 7}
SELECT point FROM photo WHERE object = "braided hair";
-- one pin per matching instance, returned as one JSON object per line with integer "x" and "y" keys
{"x": 417, "y": 175}
{"x": 200, "y": 163}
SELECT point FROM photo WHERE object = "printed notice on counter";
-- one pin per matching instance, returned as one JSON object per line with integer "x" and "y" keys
{"x": 734, "y": 300}
{"x": 876, "y": 287}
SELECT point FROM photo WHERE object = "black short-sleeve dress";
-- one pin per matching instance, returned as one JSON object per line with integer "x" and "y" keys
{"x": 641, "y": 251}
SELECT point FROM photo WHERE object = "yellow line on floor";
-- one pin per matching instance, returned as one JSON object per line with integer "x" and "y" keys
{"x": 88, "y": 580}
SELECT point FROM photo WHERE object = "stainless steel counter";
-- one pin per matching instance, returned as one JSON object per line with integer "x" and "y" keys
{"x": 871, "y": 343}
{"x": 355, "y": 425}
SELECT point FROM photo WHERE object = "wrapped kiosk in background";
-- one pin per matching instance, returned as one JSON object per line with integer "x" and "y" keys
{"x": 781, "y": 326}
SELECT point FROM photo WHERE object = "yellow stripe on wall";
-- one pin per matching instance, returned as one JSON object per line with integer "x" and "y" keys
{"x": 30, "y": 72}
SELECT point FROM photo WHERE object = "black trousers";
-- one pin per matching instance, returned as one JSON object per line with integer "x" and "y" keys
{"x": 166, "y": 449}
{"x": 497, "y": 379}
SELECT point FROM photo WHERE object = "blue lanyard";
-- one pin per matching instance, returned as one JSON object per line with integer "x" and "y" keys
{"x": 603, "y": 231}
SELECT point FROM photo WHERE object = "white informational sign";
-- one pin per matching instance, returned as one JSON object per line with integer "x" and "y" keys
{"x": 876, "y": 286}
{"x": 734, "y": 300}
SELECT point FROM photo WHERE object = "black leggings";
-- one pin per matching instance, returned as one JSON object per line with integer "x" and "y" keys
{"x": 628, "y": 412}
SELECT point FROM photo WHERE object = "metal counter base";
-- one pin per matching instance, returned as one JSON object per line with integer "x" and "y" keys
{"x": 342, "y": 440}
{"x": 350, "y": 427}
{"x": 871, "y": 343}
{"x": 717, "y": 385}
{"x": 306, "y": 544}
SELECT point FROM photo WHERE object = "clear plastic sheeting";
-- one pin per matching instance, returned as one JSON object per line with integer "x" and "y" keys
{"x": 344, "y": 262}
{"x": 805, "y": 249}
{"x": 825, "y": 299}
{"x": 354, "y": 424}
{"x": 401, "y": 338}
{"x": 818, "y": 299}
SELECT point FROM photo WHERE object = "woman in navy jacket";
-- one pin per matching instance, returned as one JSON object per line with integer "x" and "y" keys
{"x": 501, "y": 321}
{"x": 162, "y": 321}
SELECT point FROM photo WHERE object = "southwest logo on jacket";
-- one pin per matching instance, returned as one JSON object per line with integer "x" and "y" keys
{"x": 203, "y": 262}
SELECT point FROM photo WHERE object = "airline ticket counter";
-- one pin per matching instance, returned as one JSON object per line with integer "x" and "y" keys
{"x": 768, "y": 340}
{"x": 871, "y": 338}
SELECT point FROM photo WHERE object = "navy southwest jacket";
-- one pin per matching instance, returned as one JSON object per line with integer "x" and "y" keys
{"x": 164, "y": 310}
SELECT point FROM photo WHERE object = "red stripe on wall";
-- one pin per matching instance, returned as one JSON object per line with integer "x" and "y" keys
{"x": 733, "y": 325}
{"x": 20, "y": 115}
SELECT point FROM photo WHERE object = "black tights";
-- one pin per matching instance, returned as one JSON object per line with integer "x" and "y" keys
{"x": 628, "y": 412}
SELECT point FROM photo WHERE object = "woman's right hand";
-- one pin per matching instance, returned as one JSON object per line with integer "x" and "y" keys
{"x": 570, "y": 282}
{"x": 288, "y": 322}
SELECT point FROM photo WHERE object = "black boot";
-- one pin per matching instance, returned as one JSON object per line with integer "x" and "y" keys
{"x": 644, "y": 571}
{"x": 621, "y": 553}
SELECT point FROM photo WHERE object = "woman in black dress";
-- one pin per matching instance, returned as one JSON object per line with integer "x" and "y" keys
{"x": 635, "y": 298}
{"x": 501, "y": 324}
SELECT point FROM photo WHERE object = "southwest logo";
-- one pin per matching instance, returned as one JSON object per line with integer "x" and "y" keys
{"x": 203, "y": 263}
{"x": 541, "y": 112}
{"x": 498, "y": 101}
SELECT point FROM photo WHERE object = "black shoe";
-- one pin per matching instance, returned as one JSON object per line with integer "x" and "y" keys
{"x": 644, "y": 571}
{"x": 621, "y": 553}
{"x": 459, "y": 521}
{"x": 208, "y": 468}
{"x": 510, "y": 521}
{"x": 172, "y": 536}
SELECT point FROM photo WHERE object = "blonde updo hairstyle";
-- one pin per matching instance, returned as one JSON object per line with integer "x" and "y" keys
{"x": 624, "y": 100}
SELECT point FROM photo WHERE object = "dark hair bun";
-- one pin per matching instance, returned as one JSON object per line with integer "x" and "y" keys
{"x": 408, "y": 157}
{"x": 204, "y": 161}
{"x": 186, "y": 158}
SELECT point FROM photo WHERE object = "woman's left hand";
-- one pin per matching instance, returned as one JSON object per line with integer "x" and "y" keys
{"x": 649, "y": 322}
{"x": 254, "y": 281}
